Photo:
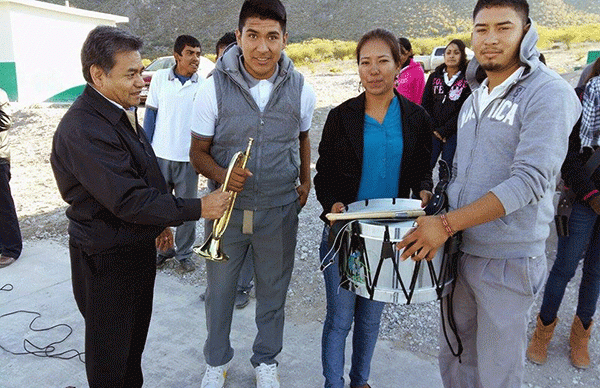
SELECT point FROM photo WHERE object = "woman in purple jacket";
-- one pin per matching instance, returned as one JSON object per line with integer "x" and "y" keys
{"x": 411, "y": 80}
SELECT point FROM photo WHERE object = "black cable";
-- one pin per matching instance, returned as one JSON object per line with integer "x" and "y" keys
{"x": 41, "y": 351}
{"x": 450, "y": 309}
{"x": 6, "y": 287}
{"x": 449, "y": 299}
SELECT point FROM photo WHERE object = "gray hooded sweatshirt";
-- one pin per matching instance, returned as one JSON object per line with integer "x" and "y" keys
{"x": 514, "y": 148}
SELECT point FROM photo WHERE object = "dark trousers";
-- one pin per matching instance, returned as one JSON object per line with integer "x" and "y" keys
{"x": 10, "y": 234}
{"x": 447, "y": 150}
{"x": 114, "y": 294}
{"x": 583, "y": 241}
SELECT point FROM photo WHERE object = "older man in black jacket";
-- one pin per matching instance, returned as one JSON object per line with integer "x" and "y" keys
{"x": 119, "y": 204}
{"x": 11, "y": 243}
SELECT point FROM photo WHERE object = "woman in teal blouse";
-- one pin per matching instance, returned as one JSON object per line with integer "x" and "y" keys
{"x": 376, "y": 145}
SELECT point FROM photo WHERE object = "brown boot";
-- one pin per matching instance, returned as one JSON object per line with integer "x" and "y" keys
{"x": 537, "y": 352}
{"x": 580, "y": 357}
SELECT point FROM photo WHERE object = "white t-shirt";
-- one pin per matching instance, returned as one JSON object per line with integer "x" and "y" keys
{"x": 174, "y": 104}
{"x": 483, "y": 97}
{"x": 206, "y": 111}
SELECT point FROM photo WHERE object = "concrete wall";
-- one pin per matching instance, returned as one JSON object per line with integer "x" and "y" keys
{"x": 8, "y": 80}
{"x": 45, "y": 42}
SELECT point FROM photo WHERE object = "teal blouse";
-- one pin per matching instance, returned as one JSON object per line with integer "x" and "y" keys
{"x": 382, "y": 155}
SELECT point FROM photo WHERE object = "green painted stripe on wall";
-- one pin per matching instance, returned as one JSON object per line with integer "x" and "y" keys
{"x": 8, "y": 80}
{"x": 68, "y": 95}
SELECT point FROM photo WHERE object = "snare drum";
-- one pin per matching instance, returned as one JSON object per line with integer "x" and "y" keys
{"x": 370, "y": 265}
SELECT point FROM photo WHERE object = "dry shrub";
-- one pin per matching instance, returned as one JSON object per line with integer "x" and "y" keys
{"x": 568, "y": 35}
{"x": 319, "y": 50}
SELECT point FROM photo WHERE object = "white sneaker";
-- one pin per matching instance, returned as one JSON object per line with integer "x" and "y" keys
{"x": 266, "y": 376}
{"x": 214, "y": 377}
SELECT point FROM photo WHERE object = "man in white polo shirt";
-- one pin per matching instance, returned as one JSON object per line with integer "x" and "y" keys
{"x": 167, "y": 126}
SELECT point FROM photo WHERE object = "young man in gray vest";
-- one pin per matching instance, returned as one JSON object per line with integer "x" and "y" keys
{"x": 242, "y": 296}
{"x": 512, "y": 139}
{"x": 254, "y": 93}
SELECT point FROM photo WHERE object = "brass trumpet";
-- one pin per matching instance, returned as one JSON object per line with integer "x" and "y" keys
{"x": 211, "y": 249}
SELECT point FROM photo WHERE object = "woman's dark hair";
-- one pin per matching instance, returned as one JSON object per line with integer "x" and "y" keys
{"x": 405, "y": 44}
{"x": 383, "y": 35}
{"x": 462, "y": 65}
{"x": 101, "y": 45}
{"x": 185, "y": 40}
{"x": 595, "y": 71}
{"x": 263, "y": 9}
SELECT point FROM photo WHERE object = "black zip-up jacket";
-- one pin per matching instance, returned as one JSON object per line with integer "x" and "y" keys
{"x": 109, "y": 176}
{"x": 573, "y": 171}
{"x": 443, "y": 102}
{"x": 339, "y": 167}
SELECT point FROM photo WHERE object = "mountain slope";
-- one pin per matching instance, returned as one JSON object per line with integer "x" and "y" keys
{"x": 160, "y": 21}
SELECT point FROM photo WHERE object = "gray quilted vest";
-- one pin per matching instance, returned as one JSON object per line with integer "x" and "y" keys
{"x": 275, "y": 155}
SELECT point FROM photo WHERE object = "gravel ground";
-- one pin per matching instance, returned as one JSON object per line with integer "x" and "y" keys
{"x": 414, "y": 327}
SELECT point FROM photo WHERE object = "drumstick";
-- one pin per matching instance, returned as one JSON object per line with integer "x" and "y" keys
{"x": 375, "y": 215}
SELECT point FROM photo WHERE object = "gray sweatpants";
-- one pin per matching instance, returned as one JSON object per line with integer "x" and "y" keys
{"x": 273, "y": 243}
{"x": 492, "y": 305}
{"x": 247, "y": 272}
{"x": 182, "y": 180}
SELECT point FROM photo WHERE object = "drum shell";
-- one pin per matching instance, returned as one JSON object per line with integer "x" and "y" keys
{"x": 397, "y": 281}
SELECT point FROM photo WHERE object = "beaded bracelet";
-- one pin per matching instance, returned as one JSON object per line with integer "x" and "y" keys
{"x": 447, "y": 225}
{"x": 590, "y": 195}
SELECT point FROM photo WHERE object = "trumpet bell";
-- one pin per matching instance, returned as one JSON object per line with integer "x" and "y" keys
{"x": 211, "y": 250}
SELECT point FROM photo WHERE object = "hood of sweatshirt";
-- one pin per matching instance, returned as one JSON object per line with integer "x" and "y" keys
{"x": 229, "y": 64}
{"x": 529, "y": 57}
{"x": 411, "y": 65}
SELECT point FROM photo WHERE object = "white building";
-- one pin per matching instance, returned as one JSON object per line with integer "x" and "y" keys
{"x": 40, "y": 45}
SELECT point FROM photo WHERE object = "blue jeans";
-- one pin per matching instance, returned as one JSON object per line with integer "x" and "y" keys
{"x": 344, "y": 307}
{"x": 447, "y": 150}
{"x": 584, "y": 230}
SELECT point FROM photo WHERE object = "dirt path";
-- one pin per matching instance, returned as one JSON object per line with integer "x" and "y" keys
{"x": 41, "y": 212}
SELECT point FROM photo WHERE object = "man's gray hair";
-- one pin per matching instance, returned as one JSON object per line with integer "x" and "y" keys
{"x": 101, "y": 45}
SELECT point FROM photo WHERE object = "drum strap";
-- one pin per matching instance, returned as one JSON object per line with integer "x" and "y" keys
{"x": 453, "y": 252}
